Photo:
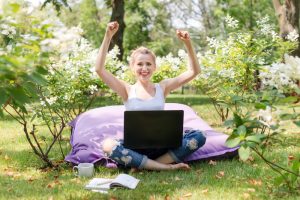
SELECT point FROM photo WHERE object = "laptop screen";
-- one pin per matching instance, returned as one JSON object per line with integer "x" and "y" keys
{"x": 153, "y": 129}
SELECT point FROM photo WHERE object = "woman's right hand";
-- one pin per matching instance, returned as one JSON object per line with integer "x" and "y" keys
{"x": 112, "y": 28}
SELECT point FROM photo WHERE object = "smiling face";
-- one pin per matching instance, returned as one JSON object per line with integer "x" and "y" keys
{"x": 143, "y": 65}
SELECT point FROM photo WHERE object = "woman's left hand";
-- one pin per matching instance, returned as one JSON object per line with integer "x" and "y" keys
{"x": 183, "y": 35}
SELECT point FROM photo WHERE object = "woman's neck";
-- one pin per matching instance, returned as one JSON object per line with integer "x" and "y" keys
{"x": 145, "y": 84}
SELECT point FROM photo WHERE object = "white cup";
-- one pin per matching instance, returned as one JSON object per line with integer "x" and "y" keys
{"x": 84, "y": 170}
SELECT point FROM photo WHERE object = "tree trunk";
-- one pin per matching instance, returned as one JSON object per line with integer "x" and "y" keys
{"x": 118, "y": 15}
{"x": 288, "y": 18}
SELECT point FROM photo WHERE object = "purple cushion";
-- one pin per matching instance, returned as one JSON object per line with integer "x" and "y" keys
{"x": 91, "y": 127}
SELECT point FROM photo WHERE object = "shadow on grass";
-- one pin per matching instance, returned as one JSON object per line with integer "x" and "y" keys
{"x": 7, "y": 117}
{"x": 189, "y": 100}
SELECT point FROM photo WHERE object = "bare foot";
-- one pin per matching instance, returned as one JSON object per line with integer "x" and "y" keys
{"x": 180, "y": 166}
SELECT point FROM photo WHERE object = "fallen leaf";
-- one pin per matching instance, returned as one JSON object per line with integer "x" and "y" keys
{"x": 16, "y": 175}
{"x": 50, "y": 185}
{"x": 255, "y": 182}
{"x": 165, "y": 183}
{"x": 167, "y": 197}
{"x": 204, "y": 191}
{"x": 199, "y": 171}
{"x": 220, "y": 174}
{"x": 251, "y": 159}
{"x": 57, "y": 182}
{"x": 177, "y": 178}
{"x": 6, "y": 157}
{"x": 9, "y": 173}
{"x": 187, "y": 195}
{"x": 291, "y": 157}
{"x": 30, "y": 179}
{"x": 246, "y": 195}
{"x": 211, "y": 162}
{"x": 251, "y": 190}
{"x": 75, "y": 180}
{"x": 151, "y": 197}
{"x": 113, "y": 198}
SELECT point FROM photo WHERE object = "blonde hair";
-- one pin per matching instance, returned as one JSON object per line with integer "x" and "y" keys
{"x": 141, "y": 50}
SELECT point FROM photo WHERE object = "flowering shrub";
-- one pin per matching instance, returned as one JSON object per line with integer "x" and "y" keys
{"x": 231, "y": 66}
{"x": 170, "y": 66}
{"x": 282, "y": 76}
{"x": 47, "y": 74}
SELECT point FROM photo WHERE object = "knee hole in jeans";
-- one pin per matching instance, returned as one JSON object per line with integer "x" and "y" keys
{"x": 201, "y": 138}
{"x": 108, "y": 145}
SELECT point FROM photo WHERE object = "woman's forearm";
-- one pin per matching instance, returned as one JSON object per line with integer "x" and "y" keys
{"x": 100, "y": 61}
{"x": 194, "y": 65}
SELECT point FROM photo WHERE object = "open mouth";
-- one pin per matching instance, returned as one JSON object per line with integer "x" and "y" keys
{"x": 144, "y": 74}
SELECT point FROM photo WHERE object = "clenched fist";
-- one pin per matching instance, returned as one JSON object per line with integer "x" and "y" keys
{"x": 183, "y": 35}
{"x": 112, "y": 28}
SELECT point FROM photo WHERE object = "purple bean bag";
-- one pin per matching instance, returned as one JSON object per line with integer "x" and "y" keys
{"x": 90, "y": 128}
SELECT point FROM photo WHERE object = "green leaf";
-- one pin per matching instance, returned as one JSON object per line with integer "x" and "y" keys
{"x": 278, "y": 180}
{"x": 37, "y": 78}
{"x": 242, "y": 130}
{"x": 238, "y": 120}
{"x": 3, "y": 96}
{"x": 41, "y": 70}
{"x": 19, "y": 95}
{"x": 260, "y": 106}
{"x": 233, "y": 142}
{"x": 15, "y": 7}
{"x": 290, "y": 99}
{"x": 255, "y": 138}
{"x": 228, "y": 123}
{"x": 236, "y": 98}
{"x": 287, "y": 116}
{"x": 33, "y": 117}
{"x": 244, "y": 153}
{"x": 297, "y": 123}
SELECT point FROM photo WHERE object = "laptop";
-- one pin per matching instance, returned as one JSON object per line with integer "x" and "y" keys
{"x": 151, "y": 129}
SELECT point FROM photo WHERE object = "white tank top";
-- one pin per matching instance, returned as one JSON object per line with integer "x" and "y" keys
{"x": 155, "y": 103}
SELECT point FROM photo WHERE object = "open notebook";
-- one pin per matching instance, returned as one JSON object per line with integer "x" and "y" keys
{"x": 104, "y": 184}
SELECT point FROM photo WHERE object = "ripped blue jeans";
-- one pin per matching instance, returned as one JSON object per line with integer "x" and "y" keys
{"x": 191, "y": 142}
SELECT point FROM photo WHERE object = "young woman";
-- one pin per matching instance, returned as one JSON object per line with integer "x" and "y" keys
{"x": 145, "y": 95}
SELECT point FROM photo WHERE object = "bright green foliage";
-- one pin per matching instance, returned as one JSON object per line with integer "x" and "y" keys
{"x": 231, "y": 66}
{"x": 90, "y": 22}
{"x": 21, "y": 57}
{"x": 146, "y": 23}
{"x": 47, "y": 75}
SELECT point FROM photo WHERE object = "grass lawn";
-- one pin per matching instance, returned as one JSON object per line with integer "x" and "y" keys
{"x": 22, "y": 178}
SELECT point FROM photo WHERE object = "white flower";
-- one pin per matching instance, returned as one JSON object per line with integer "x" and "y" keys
{"x": 29, "y": 37}
{"x": 266, "y": 114}
{"x": 49, "y": 44}
{"x": 5, "y": 32}
{"x": 266, "y": 28}
{"x": 294, "y": 63}
{"x": 93, "y": 88}
{"x": 43, "y": 103}
{"x": 114, "y": 52}
{"x": 231, "y": 22}
{"x": 293, "y": 36}
{"x": 182, "y": 54}
{"x": 212, "y": 42}
{"x": 51, "y": 100}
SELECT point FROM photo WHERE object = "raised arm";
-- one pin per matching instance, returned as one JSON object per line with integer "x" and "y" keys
{"x": 192, "y": 71}
{"x": 115, "y": 84}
